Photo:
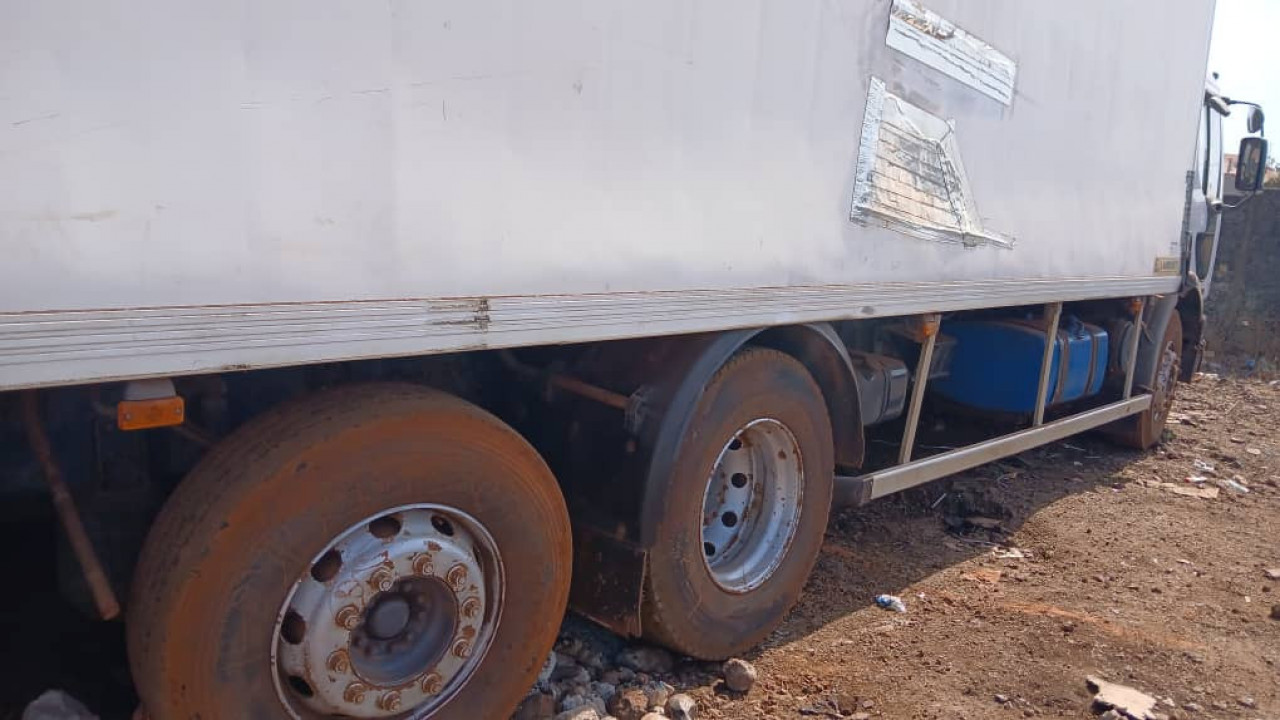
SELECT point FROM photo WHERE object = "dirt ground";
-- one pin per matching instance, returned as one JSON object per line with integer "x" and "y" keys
{"x": 1119, "y": 577}
{"x": 1093, "y": 568}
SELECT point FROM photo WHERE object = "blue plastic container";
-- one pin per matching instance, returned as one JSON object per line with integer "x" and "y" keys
{"x": 995, "y": 365}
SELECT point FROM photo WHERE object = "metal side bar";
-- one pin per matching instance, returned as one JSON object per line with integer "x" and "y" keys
{"x": 929, "y": 326}
{"x": 863, "y": 488}
{"x": 1053, "y": 313}
{"x": 1131, "y": 362}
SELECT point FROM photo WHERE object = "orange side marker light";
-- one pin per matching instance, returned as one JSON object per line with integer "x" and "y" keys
{"x": 144, "y": 414}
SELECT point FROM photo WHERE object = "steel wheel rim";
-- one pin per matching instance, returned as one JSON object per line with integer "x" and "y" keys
{"x": 391, "y": 619}
{"x": 752, "y": 504}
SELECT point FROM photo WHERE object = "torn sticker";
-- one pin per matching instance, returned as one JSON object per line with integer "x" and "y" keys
{"x": 909, "y": 176}
{"x": 933, "y": 40}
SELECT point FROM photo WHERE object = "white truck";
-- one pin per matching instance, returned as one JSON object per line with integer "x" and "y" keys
{"x": 424, "y": 320}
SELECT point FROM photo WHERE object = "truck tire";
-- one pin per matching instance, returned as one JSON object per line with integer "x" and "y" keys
{"x": 745, "y": 509}
{"x": 1144, "y": 430}
{"x": 371, "y": 551}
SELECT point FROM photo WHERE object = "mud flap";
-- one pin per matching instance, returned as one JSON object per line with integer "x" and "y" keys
{"x": 608, "y": 580}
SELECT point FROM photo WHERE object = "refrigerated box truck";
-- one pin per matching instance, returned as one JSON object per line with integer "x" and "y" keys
{"x": 354, "y": 341}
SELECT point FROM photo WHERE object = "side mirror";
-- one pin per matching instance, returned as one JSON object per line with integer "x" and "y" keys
{"x": 1255, "y": 119}
{"x": 1251, "y": 164}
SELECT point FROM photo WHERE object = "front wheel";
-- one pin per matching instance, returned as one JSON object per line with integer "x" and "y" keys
{"x": 372, "y": 552}
{"x": 1144, "y": 430}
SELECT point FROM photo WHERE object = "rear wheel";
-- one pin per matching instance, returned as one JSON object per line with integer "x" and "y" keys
{"x": 375, "y": 552}
{"x": 746, "y": 508}
{"x": 1145, "y": 429}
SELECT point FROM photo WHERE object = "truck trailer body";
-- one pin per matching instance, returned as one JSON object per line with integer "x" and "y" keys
{"x": 195, "y": 189}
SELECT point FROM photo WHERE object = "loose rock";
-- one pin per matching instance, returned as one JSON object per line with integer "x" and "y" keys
{"x": 681, "y": 707}
{"x": 563, "y": 668}
{"x": 582, "y": 713}
{"x": 657, "y": 693}
{"x": 1275, "y": 612}
{"x": 57, "y": 705}
{"x": 536, "y": 707}
{"x": 577, "y": 699}
{"x": 739, "y": 675}
{"x": 618, "y": 676}
{"x": 646, "y": 659}
{"x": 548, "y": 667}
{"x": 605, "y": 690}
{"x": 629, "y": 704}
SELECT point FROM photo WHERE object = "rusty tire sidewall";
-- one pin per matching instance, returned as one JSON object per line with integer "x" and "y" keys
{"x": 249, "y": 520}
{"x": 1149, "y": 426}
{"x": 684, "y": 607}
{"x": 1171, "y": 348}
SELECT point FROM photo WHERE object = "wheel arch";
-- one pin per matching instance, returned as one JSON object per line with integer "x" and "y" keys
{"x": 613, "y": 538}
{"x": 815, "y": 345}
{"x": 824, "y": 355}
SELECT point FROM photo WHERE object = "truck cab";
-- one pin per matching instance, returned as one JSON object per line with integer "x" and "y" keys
{"x": 1206, "y": 203}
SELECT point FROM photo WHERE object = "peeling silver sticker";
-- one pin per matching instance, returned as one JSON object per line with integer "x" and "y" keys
{"x": 933, "y": 40}
{"x": 909, "y": 176}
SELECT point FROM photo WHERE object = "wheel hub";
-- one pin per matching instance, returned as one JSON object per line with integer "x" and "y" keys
{"x": 387, "y": 617}
{"x": 751, "y": 508}
{"x": 392, "y": 618}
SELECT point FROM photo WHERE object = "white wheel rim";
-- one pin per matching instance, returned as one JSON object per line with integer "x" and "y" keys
{"x": 751, "y": 508}
{"x": 391, "y": 618}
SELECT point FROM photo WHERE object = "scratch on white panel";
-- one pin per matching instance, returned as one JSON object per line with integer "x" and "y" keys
{"x": 50, "y": 116}
{"x": 933, "y": 40}
{"x": 909, "y": 176}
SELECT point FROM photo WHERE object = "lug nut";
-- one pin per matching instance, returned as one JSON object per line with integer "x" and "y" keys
{"x": 471, "y": 607}
{"x": 348, "y": 617}
{"x": 381, "y": 579}
{"x": 462, "y": 649}
{"x": 389, "y": 701}
{"x": 338, "y": 662}
{"x": 423, "y": 565}
{"x": 355, "y": 692}
{"x": 457, "y": 577}
{"x": 431, "y": 683}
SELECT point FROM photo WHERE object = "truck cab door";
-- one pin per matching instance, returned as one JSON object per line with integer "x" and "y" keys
{"x": 1205, "y": 216}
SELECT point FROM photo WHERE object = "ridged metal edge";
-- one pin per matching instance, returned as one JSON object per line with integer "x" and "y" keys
{"x": 67, "y": 347}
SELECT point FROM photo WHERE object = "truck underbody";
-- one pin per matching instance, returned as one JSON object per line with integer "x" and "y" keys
{"x": 616, "y": 423}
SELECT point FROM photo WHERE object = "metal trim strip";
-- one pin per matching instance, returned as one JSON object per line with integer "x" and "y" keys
{"x": 902, "y": 477}
{"x": 81, "y": 346}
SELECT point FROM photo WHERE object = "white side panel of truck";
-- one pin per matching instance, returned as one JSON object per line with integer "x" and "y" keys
{"x": 193, "y": 186}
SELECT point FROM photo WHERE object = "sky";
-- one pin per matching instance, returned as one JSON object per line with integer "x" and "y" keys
{"x": 1243, "y": 53}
